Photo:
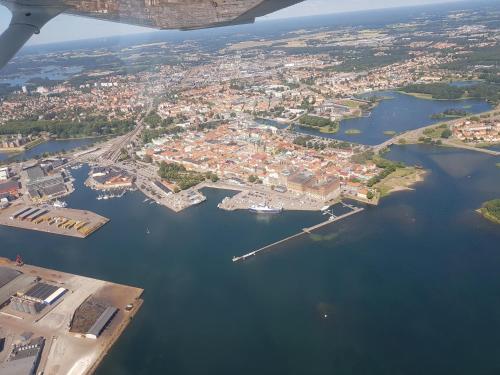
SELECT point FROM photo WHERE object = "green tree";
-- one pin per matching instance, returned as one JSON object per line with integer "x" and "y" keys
{"x": 446, "y": 133}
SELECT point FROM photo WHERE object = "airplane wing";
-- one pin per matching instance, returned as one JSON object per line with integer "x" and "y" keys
{"x": 29, "y": 16}
{"x": 177, "y": 14}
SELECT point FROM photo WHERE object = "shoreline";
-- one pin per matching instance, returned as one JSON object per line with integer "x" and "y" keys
{"x": 430, "y": 97}
{"x": 85, "y": 352}
{"x": 28, "y": 146}
{"x": 412, "y": 137}
{"x": 488, "y": 216}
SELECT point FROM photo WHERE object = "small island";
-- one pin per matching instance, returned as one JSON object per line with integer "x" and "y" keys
{"x": 352, "y": 131}
{"x": 491, "y": 210}
{"x": 450, "y": 114}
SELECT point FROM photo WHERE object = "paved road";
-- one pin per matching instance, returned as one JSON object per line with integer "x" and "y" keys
{"x": 413, "y": 135}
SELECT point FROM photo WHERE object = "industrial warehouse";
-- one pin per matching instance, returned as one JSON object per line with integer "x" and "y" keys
{"x": 25, "y": 293}
{"x": 50, "y": 219}
{"x": 24, "y": 358}
{"x": 50, "y": 320}
{"x": 92, "y": 317}
{"x": 36, "y": 298}
{"x": 42, "y": 182}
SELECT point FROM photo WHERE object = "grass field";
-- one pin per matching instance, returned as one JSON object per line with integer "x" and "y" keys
{"x": 401, "y": 179}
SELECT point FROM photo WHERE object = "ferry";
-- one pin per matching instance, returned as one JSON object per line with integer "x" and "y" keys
{"x": 265, "y": 209}
{"x": 59, "y": 204}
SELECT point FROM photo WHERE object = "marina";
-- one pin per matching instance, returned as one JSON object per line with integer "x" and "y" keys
{"x": 332, "y": 219}
{"x": 111, "y": 195}
{"x": 407, "y": 287}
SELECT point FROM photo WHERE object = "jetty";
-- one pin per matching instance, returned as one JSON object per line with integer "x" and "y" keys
{"x": 332, "y": 219}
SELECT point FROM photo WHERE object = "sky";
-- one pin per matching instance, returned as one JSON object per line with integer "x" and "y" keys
{"x": 66, "y": 28}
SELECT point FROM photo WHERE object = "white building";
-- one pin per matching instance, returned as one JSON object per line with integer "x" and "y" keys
{"x": 4, "y": 173}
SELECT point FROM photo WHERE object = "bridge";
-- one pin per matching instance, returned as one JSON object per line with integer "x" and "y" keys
{"x": 413, "y": 135}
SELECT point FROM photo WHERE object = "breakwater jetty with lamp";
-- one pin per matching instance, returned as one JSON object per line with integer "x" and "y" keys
{"x": 332, "y": 219}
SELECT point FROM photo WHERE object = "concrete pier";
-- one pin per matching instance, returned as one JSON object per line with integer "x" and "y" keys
{"x": 309, "y": 230}
{"x": 50, "y": 219}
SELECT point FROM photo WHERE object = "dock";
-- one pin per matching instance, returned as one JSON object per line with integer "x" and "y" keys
{"x": 309, "y": 230}
{"x": 49, "y": 219}
{"x": 65, "y": 351}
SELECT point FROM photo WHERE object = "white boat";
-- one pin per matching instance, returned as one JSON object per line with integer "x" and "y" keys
{"x": 265, "y": 209}
{"x": 59, "y": 204}
{"x": 105, "y": 197}
{"x": 99, "y": 197}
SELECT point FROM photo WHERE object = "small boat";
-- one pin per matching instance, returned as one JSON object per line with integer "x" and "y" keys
{"x": 145, "y": 200}
{"x": 147, "y": 231}
{"x": 105, "y": 197}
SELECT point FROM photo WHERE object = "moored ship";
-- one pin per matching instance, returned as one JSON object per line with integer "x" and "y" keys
{"x": 265, "y": 209}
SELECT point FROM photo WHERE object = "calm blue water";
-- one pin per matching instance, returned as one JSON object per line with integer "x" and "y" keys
{"x": 410, "y": 287}
{"x": 51, "y": 72}
{"x": 50, "y": 146}
{"x": 399, "y": 114}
